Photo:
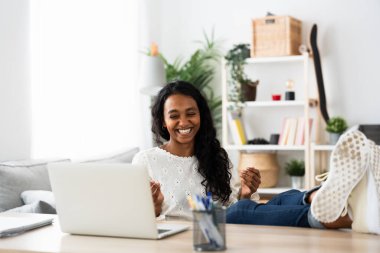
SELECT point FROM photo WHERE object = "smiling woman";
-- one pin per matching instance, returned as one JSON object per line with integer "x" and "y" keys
{"x": 84, "y": 90}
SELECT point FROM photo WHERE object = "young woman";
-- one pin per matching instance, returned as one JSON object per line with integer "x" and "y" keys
{"x": 190, "y": 161}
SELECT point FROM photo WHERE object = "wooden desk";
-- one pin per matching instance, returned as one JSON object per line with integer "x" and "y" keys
{"x": 240, "y": 238}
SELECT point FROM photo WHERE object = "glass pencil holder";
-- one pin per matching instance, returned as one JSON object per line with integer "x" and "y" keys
{"x": 209, "y": 232}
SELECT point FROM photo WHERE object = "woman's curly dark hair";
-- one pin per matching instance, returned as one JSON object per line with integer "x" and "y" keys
{"x": 213, "y": 162}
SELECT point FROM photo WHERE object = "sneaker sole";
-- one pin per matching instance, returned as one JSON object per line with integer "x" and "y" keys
{"x": 348, "y": 163}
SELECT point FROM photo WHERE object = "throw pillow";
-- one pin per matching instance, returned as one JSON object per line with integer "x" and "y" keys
{"x": 19, "y": 176}
{"x": 29, "y": 197}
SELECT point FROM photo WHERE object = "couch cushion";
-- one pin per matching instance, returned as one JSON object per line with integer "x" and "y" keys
{"x": 121, "y": 156}
{"x": 19, "y": 176}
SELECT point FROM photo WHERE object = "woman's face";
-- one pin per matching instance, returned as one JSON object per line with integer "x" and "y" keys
{"x": 181, "y": 118}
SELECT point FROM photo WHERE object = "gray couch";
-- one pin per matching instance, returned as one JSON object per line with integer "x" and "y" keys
{"x": 25, "y": 186}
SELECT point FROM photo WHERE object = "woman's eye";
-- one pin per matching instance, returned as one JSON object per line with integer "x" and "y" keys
{"x": 173, "y": 116}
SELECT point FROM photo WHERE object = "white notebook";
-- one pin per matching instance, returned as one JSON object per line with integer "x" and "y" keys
{"x": 11, "y": 225}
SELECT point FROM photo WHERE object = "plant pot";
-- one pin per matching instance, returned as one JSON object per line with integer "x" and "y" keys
{"x": 266, "y": 163}
{"x": 297, "y": 182}
{"x": 249, "y": 91}
{"x": 333, "y": 138}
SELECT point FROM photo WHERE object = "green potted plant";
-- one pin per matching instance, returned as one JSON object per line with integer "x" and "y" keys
{"x": 296, "y": 170}
{"x": 241, "y": 87}
{"x": 335, "y": 127}
{"x": 199, "y": 70}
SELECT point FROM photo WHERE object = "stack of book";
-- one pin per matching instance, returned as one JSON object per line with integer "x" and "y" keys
{"x": 293, "y": 131}
{"x": 237, "y": 129}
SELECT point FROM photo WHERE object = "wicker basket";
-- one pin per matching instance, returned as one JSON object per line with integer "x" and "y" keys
{"x": 266, "y": 163}
{"x": 276, "y": 36}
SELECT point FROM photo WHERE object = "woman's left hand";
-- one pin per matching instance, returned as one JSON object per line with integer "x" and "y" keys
{"x": 250, "y": 180}
{"x": 158, "y": 197}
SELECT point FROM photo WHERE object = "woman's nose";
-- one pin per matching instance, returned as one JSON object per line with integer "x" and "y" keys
{"x": 183, "y": 121}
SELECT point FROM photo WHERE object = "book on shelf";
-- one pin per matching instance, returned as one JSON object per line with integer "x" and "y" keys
{"x": 301, "y": 132}
{"x": 293, "y": 131}
{"x": 237, "y": 129}
{"x": 284, "y": 132}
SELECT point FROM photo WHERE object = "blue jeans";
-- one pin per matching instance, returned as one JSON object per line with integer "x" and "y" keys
{"x": 286, "y": 209}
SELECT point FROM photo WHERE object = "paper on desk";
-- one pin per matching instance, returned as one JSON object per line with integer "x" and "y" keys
{"x": 15, "y": 225}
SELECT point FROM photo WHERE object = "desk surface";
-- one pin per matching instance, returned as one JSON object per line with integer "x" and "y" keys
{"x": 240, "y": 238}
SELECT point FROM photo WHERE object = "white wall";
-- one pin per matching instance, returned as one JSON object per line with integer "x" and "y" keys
{"x": 348, "y": 38}
{"x": 348, "y": 41}
{"x": 14, "y": 80}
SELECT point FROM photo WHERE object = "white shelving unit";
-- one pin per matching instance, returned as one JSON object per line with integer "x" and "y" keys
{"x": 302, "y": 105}
{"x": 319, "y": 158}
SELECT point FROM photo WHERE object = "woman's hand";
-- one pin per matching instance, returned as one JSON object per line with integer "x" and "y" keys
{"x": 250, "y": 180}
{"x": 158, "y": 197}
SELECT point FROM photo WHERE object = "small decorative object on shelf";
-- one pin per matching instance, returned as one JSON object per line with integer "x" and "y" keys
{"x": 258, "y": 141}
{"x": 241, "y": 87}
{"x": 296, "y": 170}
{"x": 274, "y": 139}
{"x": 276, "y": 97}
{"x": 335, "y": 126}
{"x": 290, "y": 94}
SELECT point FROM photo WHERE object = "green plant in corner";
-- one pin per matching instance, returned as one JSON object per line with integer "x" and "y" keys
{"x": 199, "y": 70}
{"x": 295, "y": 168}
{"x": 336, "y": 125}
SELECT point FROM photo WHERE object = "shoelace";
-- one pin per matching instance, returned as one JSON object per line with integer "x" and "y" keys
{"x": 323, "y": 177}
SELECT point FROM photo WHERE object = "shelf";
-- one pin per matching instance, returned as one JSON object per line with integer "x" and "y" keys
{"x": 275, "y": 190}
{"x": 272, "y": 103}
{"x": 319, "y": 147}
{"x": 273, "y": 111}
{"x": 295, "y": 58}
{"x": 265, "y": 147}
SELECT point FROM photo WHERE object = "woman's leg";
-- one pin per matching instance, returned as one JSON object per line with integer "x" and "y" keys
{"x": 291, "y": 197}
{"x": 250, "y": 212}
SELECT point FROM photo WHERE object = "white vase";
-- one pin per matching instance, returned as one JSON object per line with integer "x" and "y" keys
{"x": 333, "y": 138}
{"x": 297, "y": 182}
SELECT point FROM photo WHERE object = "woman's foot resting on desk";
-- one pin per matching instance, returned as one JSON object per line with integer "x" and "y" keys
{"x": 350, "y": 194}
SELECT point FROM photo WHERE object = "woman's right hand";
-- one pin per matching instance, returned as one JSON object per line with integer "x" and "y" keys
{"x": 158, "y": 197}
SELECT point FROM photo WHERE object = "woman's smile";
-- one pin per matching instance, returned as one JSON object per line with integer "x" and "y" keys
{"x": 185, "y": 131}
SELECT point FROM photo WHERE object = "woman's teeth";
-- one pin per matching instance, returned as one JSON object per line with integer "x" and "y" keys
{"x": 184, "y": 131}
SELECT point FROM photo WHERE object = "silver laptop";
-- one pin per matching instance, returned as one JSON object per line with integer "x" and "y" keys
{"x": 106, "y": 200}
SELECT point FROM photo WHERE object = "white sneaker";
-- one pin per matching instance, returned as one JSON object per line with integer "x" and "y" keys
{"x": 348, "y": 164}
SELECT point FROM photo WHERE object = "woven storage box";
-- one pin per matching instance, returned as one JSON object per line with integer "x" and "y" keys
{"x": 266, "y": 163}
{"x": 276, "y": 36}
